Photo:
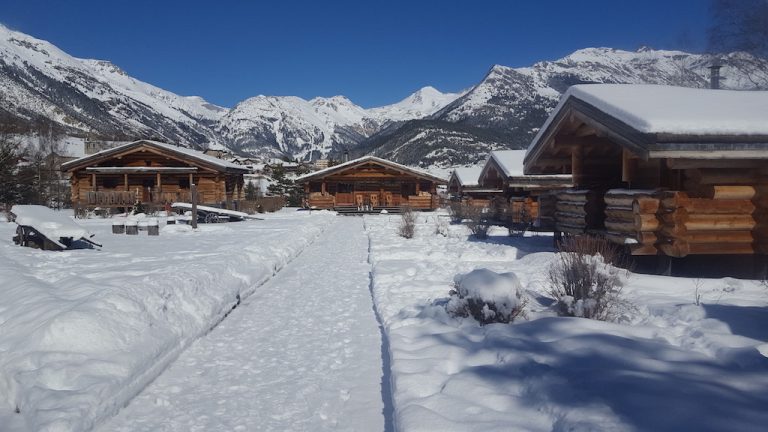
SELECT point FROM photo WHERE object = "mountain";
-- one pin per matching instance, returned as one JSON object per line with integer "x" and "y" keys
{"x": 510, "y": 104}
{"x": 39, "y": 83}
{"x": 289, "y": 125}
{"x": 42, "y": 86}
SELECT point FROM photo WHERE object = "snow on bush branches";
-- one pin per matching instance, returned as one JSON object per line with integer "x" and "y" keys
{"x": 585, "y": 280}
{"x": 487, "y": 296}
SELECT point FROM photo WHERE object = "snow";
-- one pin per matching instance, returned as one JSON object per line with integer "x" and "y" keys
{"x": 302, "y": 353}
{"x": 468, "y": 176}
{"x": 424, "y": 102}
{"x": 221, "y": 163}
{"x": 127, "y": 338}
{"x": 702, "y": 365}
{"x": 188, "y": 206}
{"x": 82, "y": 332}
{"x": 678, "y": 110}
{"x": 511, "y": 161}
{"x": 52, "y": 224}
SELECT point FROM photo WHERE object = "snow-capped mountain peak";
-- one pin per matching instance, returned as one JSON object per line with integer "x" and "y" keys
{"x": 422, "y": 103}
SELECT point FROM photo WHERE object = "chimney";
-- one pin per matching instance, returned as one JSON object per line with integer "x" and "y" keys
{"x": 345, "y": 158}
{"x": 714, "y": 75}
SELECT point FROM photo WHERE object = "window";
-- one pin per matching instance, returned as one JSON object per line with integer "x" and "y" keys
{"x": 183, "y": 183}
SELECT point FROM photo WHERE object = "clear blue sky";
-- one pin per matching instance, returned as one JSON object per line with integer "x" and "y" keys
{"x": 374, "y": 52}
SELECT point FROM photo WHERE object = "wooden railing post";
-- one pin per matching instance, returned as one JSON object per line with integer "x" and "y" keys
{"x": 193, "y": 192}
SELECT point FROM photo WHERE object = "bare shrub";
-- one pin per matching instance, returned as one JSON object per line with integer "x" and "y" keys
{"x": 441, "y": 227}
{"x": 407, "y": 222}
{"x": 585, "y": 278}
{"x": 456, "y": 210}
{"x": 487, "y": 296}
{"x": 478, "y": 221}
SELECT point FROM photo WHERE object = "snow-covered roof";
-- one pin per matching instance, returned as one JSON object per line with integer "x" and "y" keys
{"x": 665, "y": 121}
{"x": 52, "y": 224}
{"x": 468, "y": 176}
{"x": 365, "y": 159}
{"x": 194, "y": 154}
{"x": 679, "y": 110}
{"x": 510, "y": 161}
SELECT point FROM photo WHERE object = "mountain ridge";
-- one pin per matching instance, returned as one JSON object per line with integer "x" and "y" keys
{"x": 40, "y": 83}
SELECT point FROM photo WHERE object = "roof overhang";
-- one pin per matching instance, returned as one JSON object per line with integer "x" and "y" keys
{"x": 370, "y": 160}
{"x": 190, "y": 157}
{"x": 141, "y": 170}
{"x": 642, "y": 145}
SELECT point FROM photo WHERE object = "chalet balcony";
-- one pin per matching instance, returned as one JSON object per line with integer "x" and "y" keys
{"x": 129, "y": 198}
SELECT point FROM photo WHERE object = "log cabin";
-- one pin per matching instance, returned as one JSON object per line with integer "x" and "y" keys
{"x": 518, "y": 193}
{"x": 370, "y": 184}
{"x": 464, "y": 184}
{"x": 664, "y": 170}
{"x": 152, "y": 173}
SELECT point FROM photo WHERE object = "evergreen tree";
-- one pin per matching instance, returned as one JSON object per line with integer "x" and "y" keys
{"x": 251, "y": 193}
{"x": 284, "y": 186}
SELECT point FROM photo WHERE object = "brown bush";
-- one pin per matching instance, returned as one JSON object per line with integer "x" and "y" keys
{"x": 407, "y": 222}
{"x": 478, "y": 220}
{"x": 585, "y": 278}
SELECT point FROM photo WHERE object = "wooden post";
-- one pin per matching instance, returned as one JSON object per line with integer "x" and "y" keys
{"x": 125, "y": 182}
{"x": 322, "y": 188}
{"x": 159, "y": 183}
{"x": 628, "y": 164}
{"x": 577, "y": 167}
{"x": 93, "y": 182}
{"x": 193, "y": 192}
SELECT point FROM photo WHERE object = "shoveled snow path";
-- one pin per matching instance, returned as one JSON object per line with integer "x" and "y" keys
{"x": 302, "y": 353}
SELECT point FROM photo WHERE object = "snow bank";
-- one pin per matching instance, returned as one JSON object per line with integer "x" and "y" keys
{"x": 82, "y": 332}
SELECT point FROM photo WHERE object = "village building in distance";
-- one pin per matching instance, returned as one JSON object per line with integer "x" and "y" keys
{"x": 370, "y": 184}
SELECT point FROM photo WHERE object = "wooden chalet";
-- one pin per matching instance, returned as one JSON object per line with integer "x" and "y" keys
{"x": 517, "y": 195}
{"x": 503, "y": 171}
{"x": 371, "y": 184}
{"x": 464, "y": 184}
{"x": 664, "y": 170}
{"x": 154, "y": 173}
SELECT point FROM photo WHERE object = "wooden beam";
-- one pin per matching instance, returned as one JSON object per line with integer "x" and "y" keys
{"x": 715, "y": 163}
{"x": 577, "y": 165}
{"x": 628, "y": 166}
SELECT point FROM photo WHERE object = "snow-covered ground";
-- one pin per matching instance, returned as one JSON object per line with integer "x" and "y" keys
{"x": 82, "y": 332}
{"x": 303, "y": 353}
{"x": 669, "y": 366}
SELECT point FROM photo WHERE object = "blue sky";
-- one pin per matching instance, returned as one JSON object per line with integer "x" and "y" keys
{"x": 373, "y": 52}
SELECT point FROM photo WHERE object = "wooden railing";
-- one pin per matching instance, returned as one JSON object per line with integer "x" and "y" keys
{"x": 129, "y": 198}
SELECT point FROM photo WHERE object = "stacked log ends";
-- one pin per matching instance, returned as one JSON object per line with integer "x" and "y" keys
{"x": 632, "y": 219}
{"x": 546, "y": 213}
{"x": 577, "y": 211}
{"x": 721, "y": 223}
